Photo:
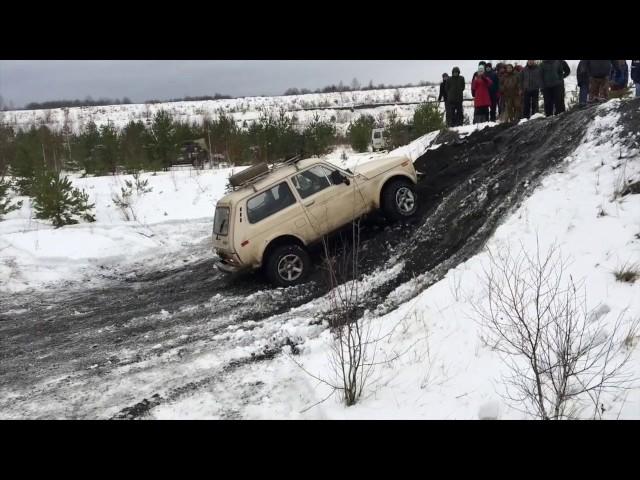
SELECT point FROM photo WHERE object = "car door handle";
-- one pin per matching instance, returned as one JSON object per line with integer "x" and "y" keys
{"x": 310, "y": 203}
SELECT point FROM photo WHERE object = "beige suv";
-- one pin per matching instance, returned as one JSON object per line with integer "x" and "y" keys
{"x": 272, "y": 215}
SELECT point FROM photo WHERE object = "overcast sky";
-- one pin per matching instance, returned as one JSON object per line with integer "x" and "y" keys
{"x": 24, "y": 81}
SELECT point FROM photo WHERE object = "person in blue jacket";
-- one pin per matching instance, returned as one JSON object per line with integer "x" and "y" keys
{"x": 493, "y": 90}
{"x": 619, "y": 76}
{"x": 635, "y": 75}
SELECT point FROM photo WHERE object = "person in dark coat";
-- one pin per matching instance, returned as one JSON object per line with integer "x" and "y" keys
{"x": 493, "y": 91}
{"x": 566, "y": 71}
{"x": 482, "y": 99}
{"x": 500, "y": 72}
{"x": 582, "y": 75}
{"x": 531, "y": 85}
{"x": 455, "y": 92}
{"x": 443, "y": 90}
{"x": 599, "y": 71}
{"x": 443, "y": 97}
{"x": 619, "y": 76}
{"x": 553, "y": 73}
{"x": 635, "y": 75}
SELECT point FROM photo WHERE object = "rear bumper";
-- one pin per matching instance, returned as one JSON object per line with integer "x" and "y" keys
{"x": 227, "y": 267}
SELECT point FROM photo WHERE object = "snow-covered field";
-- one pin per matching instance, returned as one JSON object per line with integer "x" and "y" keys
{"x": 246, "y": 109}
{"x": 442, "y": 369}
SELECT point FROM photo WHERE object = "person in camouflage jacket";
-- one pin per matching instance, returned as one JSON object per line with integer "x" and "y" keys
{"x": 511, "y": 89}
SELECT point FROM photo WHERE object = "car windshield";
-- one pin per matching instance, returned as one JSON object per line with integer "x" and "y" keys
{"x": 221, "y": 221}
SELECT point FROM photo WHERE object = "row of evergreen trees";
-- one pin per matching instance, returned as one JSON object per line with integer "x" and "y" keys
{"x": 35, "y": 158}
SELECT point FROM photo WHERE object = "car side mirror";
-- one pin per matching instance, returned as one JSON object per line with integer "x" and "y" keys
{"x": 337, "y": 178}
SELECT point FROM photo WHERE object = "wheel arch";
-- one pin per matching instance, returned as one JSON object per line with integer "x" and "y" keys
{"x": 387, "y": 182}
{"x": 278, "y": 241}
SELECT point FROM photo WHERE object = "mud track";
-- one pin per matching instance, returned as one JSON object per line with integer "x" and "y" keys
{"x": 55, "y": 345}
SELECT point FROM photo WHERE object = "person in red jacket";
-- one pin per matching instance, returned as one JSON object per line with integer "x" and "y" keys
{"x": 482, "y": 99}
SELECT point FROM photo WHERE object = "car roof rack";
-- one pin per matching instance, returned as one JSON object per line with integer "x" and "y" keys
{"x": 251, "y": 175}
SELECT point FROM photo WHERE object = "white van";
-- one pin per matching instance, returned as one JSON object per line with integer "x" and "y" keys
{"x": 377, "y": 139}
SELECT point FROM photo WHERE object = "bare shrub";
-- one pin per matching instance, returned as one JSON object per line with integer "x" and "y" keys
{"x": 351, "y": 358}
{"x": 627, "y": 272}
{"x": 560, "y": 357}
{"x": 355, "y": 351}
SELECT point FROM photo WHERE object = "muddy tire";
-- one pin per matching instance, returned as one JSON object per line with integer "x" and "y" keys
{"x": 287, "y": 265}
{"x": 399, "y": 200}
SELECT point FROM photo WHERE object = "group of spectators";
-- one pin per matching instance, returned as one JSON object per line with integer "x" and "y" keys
{"x": 510, "y": 91}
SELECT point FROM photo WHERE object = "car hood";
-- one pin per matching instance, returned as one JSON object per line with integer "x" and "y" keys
{"x": 379, "y": 166}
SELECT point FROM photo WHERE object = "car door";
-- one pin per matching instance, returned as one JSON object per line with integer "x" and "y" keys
{"x": 328, "y": 206}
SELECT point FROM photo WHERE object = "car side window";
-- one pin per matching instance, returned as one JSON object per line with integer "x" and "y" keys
{"x": 269, "y": 202}
{"x": 312, "y": 181}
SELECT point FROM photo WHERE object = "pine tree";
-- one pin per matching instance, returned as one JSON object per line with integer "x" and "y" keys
{"x": 359, "y": 133}
{"x": 133, "y": 139}
{"x": 28, "y": 160}
{"x": 396, "y": 133}
{"x": 83, "y": 147}
{"x": 7, "y": 148}
{"x": 55, "y": 199}
{"x": 6, "y": 203}
{"x": 109, "y": 152}
{"x": 427, "y": 118}
{"x": 162, "y": 145}
{"x": 318, "y": 137}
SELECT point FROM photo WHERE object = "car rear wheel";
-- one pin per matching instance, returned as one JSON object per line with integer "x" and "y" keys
{"x": 287, "y": 265}
{"x": 399, "y": 200}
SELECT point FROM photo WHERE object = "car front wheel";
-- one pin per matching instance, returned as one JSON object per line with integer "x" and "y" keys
{"x": 399, "y": 200}
{"x": 287, "y": 265}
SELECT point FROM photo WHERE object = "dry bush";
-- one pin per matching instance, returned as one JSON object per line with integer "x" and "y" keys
{"x": 560, "y": 356}
{"x": 627, "y": 272}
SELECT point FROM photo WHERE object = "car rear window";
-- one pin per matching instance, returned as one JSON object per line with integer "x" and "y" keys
{"x": 221, "y": 221}
{"x": 269, "y": 202}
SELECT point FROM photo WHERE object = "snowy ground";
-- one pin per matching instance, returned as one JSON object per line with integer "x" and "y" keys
{"x": 443, "y": 370}
{"x": 446, "y": 371}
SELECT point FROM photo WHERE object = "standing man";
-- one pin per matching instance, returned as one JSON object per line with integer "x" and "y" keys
{"x": 493, "y": 91}
{"x": 443, "y": 96}
{"x": 510, "y": 89}
{"x": 531, "y": 84}
{"x": 566, "y": 71}
{"x": 599, "y": 71}
{"x": 582, "y": 75}
{"x": 619, "y": 77}
{"x": 455, "y": 90}
{"x": 635, "y": 75}
{"x": 553, "y": 75}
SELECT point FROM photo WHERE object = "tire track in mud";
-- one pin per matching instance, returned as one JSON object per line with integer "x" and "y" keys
{"x": 469, "y": 185}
